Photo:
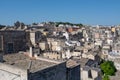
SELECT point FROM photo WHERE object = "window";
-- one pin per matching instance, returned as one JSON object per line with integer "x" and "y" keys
{"x": 10, "y": 47}
{"x": 89, "y": 74}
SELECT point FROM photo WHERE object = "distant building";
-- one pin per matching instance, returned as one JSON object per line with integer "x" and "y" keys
{"x": 53, "y": 55}
{"x": 113, "y": 29}
{"x": 35, "y": 37}
{"x": 89, "y": 73}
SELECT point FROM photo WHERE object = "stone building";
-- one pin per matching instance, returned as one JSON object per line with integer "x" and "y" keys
{"x": 1, "y": 42}
{"x": 35, "y": 37}
{"x": 20, "y": 67}
{"x": 1, "y": 56}
{"x": 88, "y": 73}
{"x": 53, "y": 55}
{"x": 12, "y": 41}
{"x": 43, "y": 45}
{"x": 73, "y": 70}
{"x": 55, "y": 44}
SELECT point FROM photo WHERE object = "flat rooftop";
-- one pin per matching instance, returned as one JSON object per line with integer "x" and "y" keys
{"x": 71, "y": 63}
{"x": 81, "y": 61}
{"x": 22, "y": 61}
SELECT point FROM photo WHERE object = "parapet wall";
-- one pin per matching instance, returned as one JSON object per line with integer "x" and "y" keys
{"x": 14, "y": 70}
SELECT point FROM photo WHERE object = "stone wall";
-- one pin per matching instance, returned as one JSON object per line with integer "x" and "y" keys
{"x": 57, "y": 72}
{"x": 1, "y": 42}
{"x": 16, "y": 38}
{"x": 73, "y": 73}
{"x": 1, "y": 56}
{"x": 43, "y": 45}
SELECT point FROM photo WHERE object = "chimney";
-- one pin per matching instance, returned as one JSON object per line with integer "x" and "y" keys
{"x": 31, "y": 52}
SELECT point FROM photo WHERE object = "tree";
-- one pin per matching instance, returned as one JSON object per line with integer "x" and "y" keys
{"x": 80, "y": 25}
{"x": 34, "y": 23}
{"x": 105, "y": 78}
{"x": 22, "y": 24}
{"x": 108, "y": 68}
{"x": 17, "y": 24}
{"x": 1, "y": 26}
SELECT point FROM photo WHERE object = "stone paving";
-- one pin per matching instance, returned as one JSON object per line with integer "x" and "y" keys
{"x": 4, "y": 75}
{"x": 116, "y": 77}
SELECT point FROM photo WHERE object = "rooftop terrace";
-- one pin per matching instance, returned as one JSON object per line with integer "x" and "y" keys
{"x": 22, "y": 61}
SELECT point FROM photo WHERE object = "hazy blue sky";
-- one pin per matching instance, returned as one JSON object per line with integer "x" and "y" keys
{"x": 105, "y": 12}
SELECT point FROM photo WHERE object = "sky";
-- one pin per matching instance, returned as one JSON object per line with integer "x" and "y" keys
{"x": 91, "y": 12}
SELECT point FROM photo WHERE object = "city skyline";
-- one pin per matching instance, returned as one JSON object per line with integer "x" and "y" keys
{"x": 92, "y": 12}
